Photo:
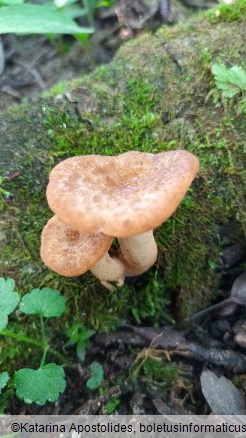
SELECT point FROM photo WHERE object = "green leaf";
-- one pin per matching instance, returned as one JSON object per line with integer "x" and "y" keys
{"x": 43, "y": 19}
{"x": 238, "y": 76}
{"x": 80, "y": 335}
{"x": 74, "y": 11}
{"x": 9, "y": 300}
{"x": 80, "y": 350}
{"x": 3, "y": 321}
{"x": 39, "y": 386}
{"x": 96, "y": 377}
{"x": 11, "y": 2}
{"x": 230, "y": 80}
{"x": 44, "y": 302}
{"x": 106, "y": 3}
{"x": 4, "y": 378}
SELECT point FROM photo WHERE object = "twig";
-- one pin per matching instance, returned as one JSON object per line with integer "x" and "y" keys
{"x": 92, "y": 406}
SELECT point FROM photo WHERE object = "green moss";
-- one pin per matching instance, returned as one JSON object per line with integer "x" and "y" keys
{"x": 131, "y": 118}
{"x": 154, "y": 369}
{"x": 166, "y": 33}
{"x": 160, "y": 371}
{"x": 239, "y": 381}
{"x": 142, "y": 101}
{"x": 205, "y": 56}
{"x": 57, "y": 89}
{"x": 155, "y": 96}
{"x": 134, "y": 117}
{"x": 227, "y": 12}
{"x": 187, "y": 262}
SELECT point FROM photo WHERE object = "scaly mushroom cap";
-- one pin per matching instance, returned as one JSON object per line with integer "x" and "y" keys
{"x": 122, "y": 195}
{"x": 68, "y": 252}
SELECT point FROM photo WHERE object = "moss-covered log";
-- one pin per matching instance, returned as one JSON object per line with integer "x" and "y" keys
{"x": 158, "y": 94}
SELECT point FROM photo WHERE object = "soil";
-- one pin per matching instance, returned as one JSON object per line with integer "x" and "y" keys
{"x": 132, "y": 382}
{"x": 30, "y": 65}
{"x": 33, "y": 65}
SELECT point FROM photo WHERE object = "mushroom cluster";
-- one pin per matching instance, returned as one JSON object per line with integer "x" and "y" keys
{"x": 98, "y": 198}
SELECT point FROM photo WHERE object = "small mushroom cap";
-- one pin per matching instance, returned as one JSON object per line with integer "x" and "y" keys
{"x": 122, "y": 195}
{"x": 68, "y": 252}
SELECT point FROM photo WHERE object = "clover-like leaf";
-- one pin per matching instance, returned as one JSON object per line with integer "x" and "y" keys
{"x": 39, "y": 386}
{"x": 238, "y": 77}
{"x": 4, "y": 378}
{"x": 96, "y": 377}
{"x": 230, "y": 80}
{"x": 9, "y": 300}
{"x": 44, "y": 302}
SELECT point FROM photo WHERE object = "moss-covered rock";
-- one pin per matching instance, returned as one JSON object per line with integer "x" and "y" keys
{"x": 158, "y": 94}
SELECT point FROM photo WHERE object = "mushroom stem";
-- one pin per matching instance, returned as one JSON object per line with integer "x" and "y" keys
{"x": 138, "y": 253}
{"x": 109, "y": 269}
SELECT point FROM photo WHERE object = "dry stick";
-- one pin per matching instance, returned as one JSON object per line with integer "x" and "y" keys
{"x": 176, "y": 344}
{"x": 34, "y": 72}
{"x": 227, "y": 358}
{"x": 91, "y": 407}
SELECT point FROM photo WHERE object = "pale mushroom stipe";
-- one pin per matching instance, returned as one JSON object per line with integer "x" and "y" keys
{"x": 124, "y": 196}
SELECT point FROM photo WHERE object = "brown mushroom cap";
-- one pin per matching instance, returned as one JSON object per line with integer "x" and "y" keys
{"x": 122, "y": 195}
{"x": 68, "y": 252}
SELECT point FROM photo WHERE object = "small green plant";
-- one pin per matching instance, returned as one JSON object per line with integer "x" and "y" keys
{"x": 230, "y": 81}
{"x": 46, "y": 382}
{"x": 152, "y": 364}
{"x": 96, "y": 376}
{"x": 227, "y": 12}
{"x": 155, "y": 369}
{"x": 79, "y": 335}
{"x": 3, "y": 193}
{"x": 112, "y": 404}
